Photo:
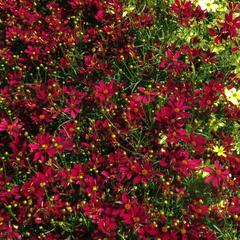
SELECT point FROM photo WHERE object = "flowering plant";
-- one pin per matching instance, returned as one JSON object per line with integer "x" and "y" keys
{"x": 119, "y": 119}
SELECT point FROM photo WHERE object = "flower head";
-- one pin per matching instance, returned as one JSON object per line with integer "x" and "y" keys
{"x": 220, "y": 151}
{"x": 208, "y": 5}
{"x": 233, "y": 96}
{"x": 217, "y": 174}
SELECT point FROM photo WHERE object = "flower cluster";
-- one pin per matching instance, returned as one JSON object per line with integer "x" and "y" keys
{"x": 115, "y": 125}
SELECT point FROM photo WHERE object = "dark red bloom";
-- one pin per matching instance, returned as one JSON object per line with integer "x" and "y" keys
{"x": 228, "y": 28}
{"x": 73, "y": 107}
{"x": 104, "y": 91}
{"x": 184, "y": 10}
{"x": 13, "y": 128}
{"x": 43, "y": 147}
{"x": 108, "y": 225}
{"x": 144, "y": 173}
{"x": 186, "y": 165}
{"x": 147, "y": 95}
{"x": 197, "y": 142}
{"x": 135, "y": 216}
{"x": 217, "y": 176}
{"x": 173, "y": 63}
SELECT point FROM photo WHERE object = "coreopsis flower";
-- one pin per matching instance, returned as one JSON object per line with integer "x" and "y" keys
{"x": 174, "y": 136}
{"x": 135, "y": 216}
{"x": 41, "y": 117}
{"x": 54, "y": 89}
{"x": 217, "y": 176}
{"x": 231, "y": 24}
{"x": 233, "y": 96}
{"x": 43, "y": 147}
{"x": 127, "y": 202}
{"x": 19, "y": 148}
{"x": 200, "y": 231}
{"x": 187, "y": 12}
{"x": 77, "y": 173}
{"x": 104, "y": 91}
{"x": 94, "y": 209}
{"x": 144, "y": 173}
{"x": 220, "y": 151}
{"x": 73, "y": 107}
{"x": 228, "y": 29}
{"x": 178, "y": 106}
{"x": 211, "y": 92}
{"x": 92, "y": 64}
{"x": 174, "y": 113}
{"x": 108, "y": 225}
{"x": 135, "y": 110}
{"x": 15, "y": 78}
{"x": 197, "y": 142}
{"x": 142, "y": 20}
{"x": 200, "y": 211}
{"x": 184, "y": 11}
{"x": 208, "y": 5}
{"x": 148, "y": 230}
{"x": 62, "y": 144}
{"x": 33, "y": 52}
{"x": 167, "y": 236}
{"x": 12, "y": 128}
{"x": 68, "y": 129}
{"x": 147, "y": 95}
{"x": 172, "y": 62}
{"x": 186, "y": 166}
{"x": 12, "y": 233}
{"x": 234, "y": 208}
{"x": 180, "y": 161}
{"x": 124, "y": 175}
{"x": 93, "y": 185}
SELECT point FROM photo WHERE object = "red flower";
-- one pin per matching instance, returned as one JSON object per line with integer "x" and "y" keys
{"x": 168, "y": 236}
{"x": 61, "y": 144}
{"x": 135, "y": 216}
{"x": 91, "y": 64}
{"x": 135, "y": 110}
{"x": 12, "y": 233}
{"x": 13, "y": 128}
{"x": 33, "y": 52}
{"x": 19, "y": 148}
{"x": 231, "y": 25}
{"x": 184, "y": 10}
{"x": 174, "y": 136}
{"x": 147, "y": 95}
{"x": 173, "y": 113}
{"x": 200, "y": 231}
{"x": 200, "y": 211}
{"x": 217, "y": 175}
{"x": 43, "y": 147}
{"x": 69, "y": 129}
{"x": 229, "y": 28}
{"x": 72, "y": 107}
{"x": 44, "y": 116}
{"x": 197, "y": 142}
{"x": 234, "y": 208}
{"x": 93, "y": 185}
{"x": 104, "y": 91}
{"x": 178, "y": 106}
{"x": 73, "y": 103}
{"x": 107, "y": 225}
{"x": 78, "y": 173}
{"x": 173, "y": 62}
{"x": 186, "y": 166}
{"x": 126, "y": 201}
{"x": 144, "y": 173}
